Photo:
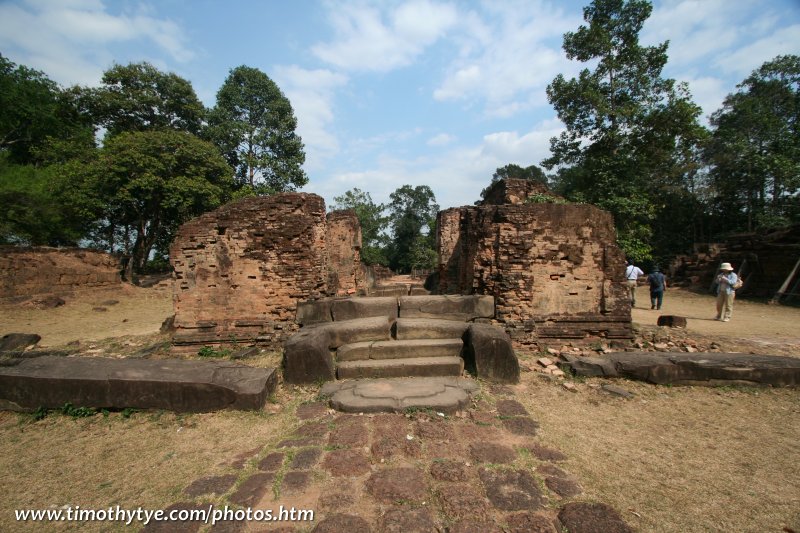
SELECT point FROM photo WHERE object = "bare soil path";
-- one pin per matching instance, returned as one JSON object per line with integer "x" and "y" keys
{"x": 756, "y": 325}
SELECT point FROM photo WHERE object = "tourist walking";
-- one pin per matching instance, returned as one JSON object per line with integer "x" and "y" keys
{"x": 727, "y": 283}
{"x": 658, "y": 282}
{"x": 632, "y": 275}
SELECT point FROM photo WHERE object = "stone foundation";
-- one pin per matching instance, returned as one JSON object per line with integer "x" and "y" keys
{"x": 36, "y": 271}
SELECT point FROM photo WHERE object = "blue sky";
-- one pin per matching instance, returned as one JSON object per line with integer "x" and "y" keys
{"x": 393, "y": 92}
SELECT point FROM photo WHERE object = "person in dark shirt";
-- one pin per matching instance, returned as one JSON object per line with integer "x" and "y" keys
{"x": 658, "y": 282}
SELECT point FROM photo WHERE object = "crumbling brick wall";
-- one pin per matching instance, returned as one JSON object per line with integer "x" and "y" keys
{"x": 39, "y": 270}
{"x": 241, "y": 269}
{"x": 344, "y": 252}
{"x": 554, "y": 269}
{"x": 513, "y": 191}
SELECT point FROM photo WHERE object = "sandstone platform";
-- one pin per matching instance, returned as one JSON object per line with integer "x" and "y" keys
{"x": 691, "y": 368}
{"x": 175, "y": 385}
{"x": 442, "y": 394}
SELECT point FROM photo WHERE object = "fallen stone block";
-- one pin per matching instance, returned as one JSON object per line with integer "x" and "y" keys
{"x": 307, "y": 357}
{"x": 672, "y": 321}
{"x": 680, "y": 368}
{"x": 545, "y": 361}
{"x": 489, "y": 354}
{"x": 588, "y": 366}
{"x": 18, "y": 342}
{"x": 175, "y": 385}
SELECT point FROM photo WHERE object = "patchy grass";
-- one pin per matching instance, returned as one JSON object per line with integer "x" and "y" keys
{"x": 679, "y": 459}
{"x": 144, "y": 460}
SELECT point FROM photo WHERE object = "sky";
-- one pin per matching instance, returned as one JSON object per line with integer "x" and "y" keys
{"x": 389, "y": 93}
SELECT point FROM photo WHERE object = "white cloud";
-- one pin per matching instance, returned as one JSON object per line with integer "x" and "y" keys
{"x": 750, "y": 57}
{"x": 524, "y": 150}
{"x": 694, "y": 28}
{"x": 69, "y": 40}
{"x": 443, "y": 139}
{"x": 510, "y": 60}
{"x": 707, "y": 92}
{"x": 456, "y": 176}
{"x": 311, "y": 93}
{"x": 372, "y": 40}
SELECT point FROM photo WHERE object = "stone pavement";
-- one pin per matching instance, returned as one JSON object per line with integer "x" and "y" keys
{"x": 481, "y": 470}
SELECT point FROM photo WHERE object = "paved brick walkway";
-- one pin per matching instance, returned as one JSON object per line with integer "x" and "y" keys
{"x": 481, "y": 470}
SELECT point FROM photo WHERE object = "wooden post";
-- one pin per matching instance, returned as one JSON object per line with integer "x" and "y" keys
{"x": 782, "y": 290}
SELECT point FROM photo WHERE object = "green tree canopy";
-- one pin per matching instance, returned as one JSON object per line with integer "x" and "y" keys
{"x": 373, "y": 224}
{"x": 630, "y": 134}
{"x": 33, "y": 213}
{"x": 754, "y": 151}
{"x": 34, "y": 110}
{"x": 412, "y": 219}
{"x": 253, "y": 125}
{"x": 147, "y": 183}
{"x": 139, "y": 97}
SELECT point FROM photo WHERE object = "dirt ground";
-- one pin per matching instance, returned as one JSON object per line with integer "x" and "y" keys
{"x": 670, "y": 459}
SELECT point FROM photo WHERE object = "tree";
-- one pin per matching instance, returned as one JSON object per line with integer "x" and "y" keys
{"x": 139, "y": 97}
{"x": 253, "y": 125}
{"x": 144, "y": 184}
{"x": 628, "y": 130}
{"x": 413, "y": 221}
{"x": 33, "y": 212}
{"x": 33, "y": 109}
{"x": 754, "y": 151}
{"x": 373, "y": 224}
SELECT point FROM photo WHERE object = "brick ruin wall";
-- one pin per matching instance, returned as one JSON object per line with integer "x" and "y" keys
{"x": 240, "y": 270}
{"x": 513, "y": 191}
{"x": 38, "y": 271}
{"x": 344, "y": 253}
{"x": 554, "y": 269}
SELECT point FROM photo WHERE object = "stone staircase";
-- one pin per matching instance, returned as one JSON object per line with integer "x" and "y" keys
{"x": 387, "y": 337}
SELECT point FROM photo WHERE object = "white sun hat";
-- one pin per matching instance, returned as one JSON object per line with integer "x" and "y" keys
{"x": 726, "y": 266}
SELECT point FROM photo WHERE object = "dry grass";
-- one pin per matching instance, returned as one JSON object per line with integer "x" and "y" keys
{"x": 679, "y": 459}
{"x": 145, "y": 460}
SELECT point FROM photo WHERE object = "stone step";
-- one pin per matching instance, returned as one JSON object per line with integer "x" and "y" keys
{"x": 428, "y": 328}
{"x": 396, "y": 368}
{"x": 400, "y": 349}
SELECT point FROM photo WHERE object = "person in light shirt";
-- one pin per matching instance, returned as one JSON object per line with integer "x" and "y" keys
{"x": 632, "y": 275}
{"x": 726, "y": 292}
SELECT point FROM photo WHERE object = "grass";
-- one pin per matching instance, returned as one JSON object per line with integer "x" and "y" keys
{"x": 144, "y": 460}
{"x": 683, "y": 459}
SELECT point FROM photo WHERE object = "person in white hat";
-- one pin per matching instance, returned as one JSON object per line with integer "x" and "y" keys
{"x": 726, "y": 291}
